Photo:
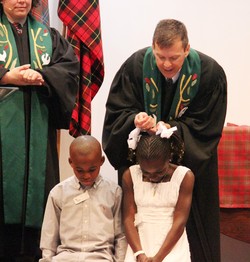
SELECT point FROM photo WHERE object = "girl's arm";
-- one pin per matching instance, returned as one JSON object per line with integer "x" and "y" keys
{"x": 128, "y": 212}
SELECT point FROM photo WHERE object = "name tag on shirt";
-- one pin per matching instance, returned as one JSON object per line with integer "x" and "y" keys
{"x": 81, "y": 198}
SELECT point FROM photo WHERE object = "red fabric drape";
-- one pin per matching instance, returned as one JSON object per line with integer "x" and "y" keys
{"x": 82, "y": 19}
{"x": 234, "y": 167}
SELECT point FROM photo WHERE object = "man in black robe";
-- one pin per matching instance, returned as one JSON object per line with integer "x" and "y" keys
{"x": 196, "y": 103}
{"x": 38, "y": 87}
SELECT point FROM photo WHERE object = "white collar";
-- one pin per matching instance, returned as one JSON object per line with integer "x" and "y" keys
{"x": 19, "y": 22}
{"x": 175, "y": 77}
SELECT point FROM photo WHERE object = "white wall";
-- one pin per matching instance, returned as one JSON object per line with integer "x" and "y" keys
{"x": 220, "y": 29}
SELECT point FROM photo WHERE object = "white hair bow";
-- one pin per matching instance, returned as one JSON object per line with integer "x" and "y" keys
{"x": 133, "y": 138}
{"x": 162, "y": 130}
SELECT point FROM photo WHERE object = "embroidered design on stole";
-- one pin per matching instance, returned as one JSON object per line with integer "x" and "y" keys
{"x": 187, "y": 87}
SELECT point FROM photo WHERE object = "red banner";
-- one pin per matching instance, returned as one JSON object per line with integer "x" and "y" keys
{"x": 234, "y": 167}
{"x": 82, "y": 19}
{"x": 41, "y": 12}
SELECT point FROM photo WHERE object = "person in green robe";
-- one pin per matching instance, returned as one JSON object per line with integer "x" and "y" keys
{"x": 173, "y": 83}
{"x": 38, "y": 86}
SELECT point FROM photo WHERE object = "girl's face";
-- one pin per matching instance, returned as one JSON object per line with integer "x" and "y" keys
{"x": 16, "y": 10}
{"x": 154, "y": 170}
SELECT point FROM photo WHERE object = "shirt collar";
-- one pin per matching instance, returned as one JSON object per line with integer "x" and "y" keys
{"x": 95, "y": 185}
{"x": 176, "y": 76}
{"x": 19, "y": 22}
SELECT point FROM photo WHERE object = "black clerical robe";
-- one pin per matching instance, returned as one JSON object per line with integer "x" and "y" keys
{"x": 58, "y": 93}
{"x": 200, "y": 127}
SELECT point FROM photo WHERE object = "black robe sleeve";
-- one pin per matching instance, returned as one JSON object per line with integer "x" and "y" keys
{"x": 125, "y": 100}
{"x": 201, "y": 126}
{"x": 61, "y": 80}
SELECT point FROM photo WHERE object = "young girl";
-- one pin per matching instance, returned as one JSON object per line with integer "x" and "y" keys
{"x": 157, "y": 196}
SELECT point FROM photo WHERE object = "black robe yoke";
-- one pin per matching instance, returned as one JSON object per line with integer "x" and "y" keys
{"x": 59, "y": 91}
{"x": 200, "y": 127}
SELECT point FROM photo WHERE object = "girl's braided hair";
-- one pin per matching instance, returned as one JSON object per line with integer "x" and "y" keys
{"x": 155, "y": 147}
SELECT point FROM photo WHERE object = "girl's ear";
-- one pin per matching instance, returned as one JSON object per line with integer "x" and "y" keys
{"x": 171, "y": 158}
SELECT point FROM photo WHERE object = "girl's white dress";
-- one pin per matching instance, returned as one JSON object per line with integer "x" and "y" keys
{"x": 155, "y": 206}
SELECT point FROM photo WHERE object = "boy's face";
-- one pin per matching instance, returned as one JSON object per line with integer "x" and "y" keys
{"x": 86, "y": 167}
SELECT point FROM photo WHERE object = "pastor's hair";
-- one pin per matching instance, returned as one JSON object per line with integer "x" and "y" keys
{"x": 168, "y": 31}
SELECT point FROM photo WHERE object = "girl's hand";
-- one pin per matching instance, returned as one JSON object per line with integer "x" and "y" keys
{"x": 143, "y": 258}
{"x": 154, "y": 259}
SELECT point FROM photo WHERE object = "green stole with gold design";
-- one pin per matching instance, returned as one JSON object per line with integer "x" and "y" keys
{"x": 12, "y": 131}
{"x": 187, "y": 87}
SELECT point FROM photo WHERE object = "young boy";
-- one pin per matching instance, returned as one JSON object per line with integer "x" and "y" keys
{"x": 82, "y": 220}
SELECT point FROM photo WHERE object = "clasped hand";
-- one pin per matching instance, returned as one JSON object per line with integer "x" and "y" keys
{"x": 144, "y": 258}
{"x": 147, "y": 123}
{"x": 144, "y": 121}
{"x": 23, "y": 75}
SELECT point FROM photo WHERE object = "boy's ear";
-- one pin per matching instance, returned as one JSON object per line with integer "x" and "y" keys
{"x": 70, "y": 161}
{"x": 102, "y": 160}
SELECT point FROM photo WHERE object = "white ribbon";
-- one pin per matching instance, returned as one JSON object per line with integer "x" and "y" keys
{"x": 165, "y": 132}
{"x": 133, "y": 138}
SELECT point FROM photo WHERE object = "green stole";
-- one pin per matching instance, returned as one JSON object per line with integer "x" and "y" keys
{"x": 12, "y": 131}
{"x": 187, "y": 87}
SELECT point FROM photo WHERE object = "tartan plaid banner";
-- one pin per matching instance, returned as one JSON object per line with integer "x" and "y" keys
{"x": 82, "y": 19}
{"x": 234, "y": 167}
{"x": 41, "y": 13}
